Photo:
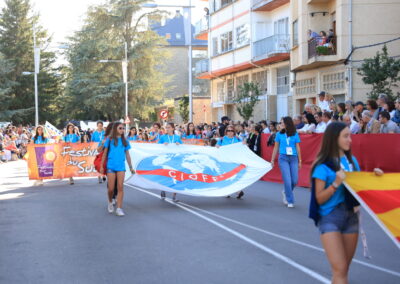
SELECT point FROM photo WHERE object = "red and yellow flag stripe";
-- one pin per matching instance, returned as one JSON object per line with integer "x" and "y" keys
{"x": 381, "y": 194}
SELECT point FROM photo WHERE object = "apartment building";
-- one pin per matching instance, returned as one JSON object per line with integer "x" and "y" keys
{"x": 249, "y": 41}
{"x": 319, "y": 64}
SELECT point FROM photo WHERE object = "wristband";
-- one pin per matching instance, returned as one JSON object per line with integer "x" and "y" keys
{"x": 335, "y": 186}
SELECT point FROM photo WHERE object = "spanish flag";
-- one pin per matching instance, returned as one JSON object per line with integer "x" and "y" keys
{"x": 380, "y": 196}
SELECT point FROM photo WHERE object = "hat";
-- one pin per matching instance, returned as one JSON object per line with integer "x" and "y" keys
{"x": 359, "y": 103}
{"x": 224, "y": 118}
{"x": 321, "y": 93}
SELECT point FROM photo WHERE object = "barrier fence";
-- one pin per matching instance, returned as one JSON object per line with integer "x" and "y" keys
{"x": 371, "y": 150}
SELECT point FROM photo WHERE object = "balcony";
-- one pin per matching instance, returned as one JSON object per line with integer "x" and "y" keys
{"x": 201, "y": 67}
{"x": 201, "y": 28}
{"x": 270, "y": 47}
{"x": 318, "y": 46}
{"x": 267, "y": 5}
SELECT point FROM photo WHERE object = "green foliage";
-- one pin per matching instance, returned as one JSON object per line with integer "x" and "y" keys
{"x": 16, "y": 49}
{"x": 95, "y": 90}
{"x": 322, "y": 50}
{"x": 183, "y": 108}
{"x": 246, "y": 99}
{"x": 382, "y": 72}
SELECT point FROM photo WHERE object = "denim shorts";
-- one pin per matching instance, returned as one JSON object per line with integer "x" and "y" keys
{"x": 110, "y": 171}
{"x": 339, "y": 220}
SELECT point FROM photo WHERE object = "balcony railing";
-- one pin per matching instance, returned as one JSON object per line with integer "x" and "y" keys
{"x": 201, "y": 26}
{"x": 202, "y": 66}
{"x": 268, "y": 5}
{"x": 319, "y": 46}
{"x": 271, "y": 45}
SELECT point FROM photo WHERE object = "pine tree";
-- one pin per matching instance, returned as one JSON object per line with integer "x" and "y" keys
{"x": 16, "y": 46}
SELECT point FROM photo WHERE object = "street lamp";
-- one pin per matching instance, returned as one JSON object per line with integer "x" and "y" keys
{"x": 189, "y": 8}
{"x": 124, "y": 63}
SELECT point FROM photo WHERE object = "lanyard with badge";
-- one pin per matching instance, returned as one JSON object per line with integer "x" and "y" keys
{"x": 351, "y": 168}
{"x": 173, "y": 139}
{"x": 101, "y": 135}
{"x": 289, "y": 150}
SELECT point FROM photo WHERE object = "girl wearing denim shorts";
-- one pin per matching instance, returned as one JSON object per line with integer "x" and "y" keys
{"x": 116, "y": 148}
{"x": 332, "y": 207}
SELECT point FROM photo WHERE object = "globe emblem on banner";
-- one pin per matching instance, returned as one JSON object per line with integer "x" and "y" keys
{"x": 187, "y": 171}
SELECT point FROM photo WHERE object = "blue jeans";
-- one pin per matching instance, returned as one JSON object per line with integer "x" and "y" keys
{"x": 289, "y": 166}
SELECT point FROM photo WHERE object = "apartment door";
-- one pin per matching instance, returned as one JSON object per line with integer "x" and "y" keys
{"x": 282, "y": 77}
{"x": 261, "y": 31}
{"x": 281, "y": 32}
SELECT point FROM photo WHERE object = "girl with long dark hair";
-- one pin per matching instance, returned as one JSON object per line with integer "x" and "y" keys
{"x": 71, "y": 135}
{"x": 310, "y": 124}
{"x": 170, "y": 138}
{"x": 190, "y": 132}
{"x": 287, "y": 142}
{"x": 132, "y": 136}
{"x": 116, "y": 148}
{"x": 155, "y": 134}
{"x": 39, "y": 138}
{"x": 332, "y": 207}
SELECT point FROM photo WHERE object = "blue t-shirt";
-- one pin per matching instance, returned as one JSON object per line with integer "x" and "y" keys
{"x": 323, "y": 172}
{"x": 98, "y": 136}
{"x": 283, "y": 140}
{"x": 40, "y": 140}
{"x": 71, "y": 138}
{"x": 132, "y": 138}
{"x": 157, "y": 136}
{"x": 193, "y": 136}
{"x": 116, "y": 155}
{"x": 170, "y": 139}
{"x": 228, "y": 141}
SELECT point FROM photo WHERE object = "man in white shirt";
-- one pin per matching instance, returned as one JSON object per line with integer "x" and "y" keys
{"x": 353, "y": 125}
{"x": 322, "y": 103}
{"x": 387, "y": 126}
{"x": 326, "y": 117}
{"x": 265, "y": 128}
{"x": 321, "y": 126}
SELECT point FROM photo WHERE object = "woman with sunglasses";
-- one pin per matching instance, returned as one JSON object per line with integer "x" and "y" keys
{"x": 170, "y": 138}
{"x": 132, "y": 136}
{"x": 155, "y": 134}
{"x": 229, "y": 139}
{"x": 116, "y": 149}
{"x": 71, "y": 135}
{"x": 39, "y": 138}
{"x": 287, "y": 141}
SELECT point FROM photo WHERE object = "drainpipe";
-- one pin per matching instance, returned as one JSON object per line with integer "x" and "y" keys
{"x": 350, "y": 49}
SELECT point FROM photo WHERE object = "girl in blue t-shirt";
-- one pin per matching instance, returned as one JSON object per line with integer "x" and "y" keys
{"x": 337, "y": 218}
{"x": 190, "y": 131}
{"x": 155, "y": 134}
{"x": 71, "y": 135}
{"x": 116, "y": 149}
{"x": 287, "y": 142}
{"x": 170, "y": 138}
{"x": 99, "y": 134}
{"x": 132, "y": 136}
{"x": 39, "y": 138}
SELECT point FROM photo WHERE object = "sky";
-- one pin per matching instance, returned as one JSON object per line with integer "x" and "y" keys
{"x": 62, "y": 17}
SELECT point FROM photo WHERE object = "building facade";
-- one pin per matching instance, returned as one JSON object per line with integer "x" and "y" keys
{"x": 249, "y": 41}
{"x": 323, "y": 64}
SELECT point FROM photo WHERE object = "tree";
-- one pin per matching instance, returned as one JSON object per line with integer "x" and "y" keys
{"x": 382, "y": 72}
{"x": 246, "y": 99}
{"x": 16, "y": 46}
{"x": 98, "y": 88}
{"x": 183, "y": 108}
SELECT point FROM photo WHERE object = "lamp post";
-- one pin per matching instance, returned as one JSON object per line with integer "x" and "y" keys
{"x": 124, "y": 63}
{"x": 190, "y": 55}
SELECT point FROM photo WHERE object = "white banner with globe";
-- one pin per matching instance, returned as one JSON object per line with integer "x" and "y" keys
{"x": 195, "y": 170}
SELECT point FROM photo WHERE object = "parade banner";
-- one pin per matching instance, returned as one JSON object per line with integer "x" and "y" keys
{"x": 380, "y": 196}
{"x": 197, "y": 171}
{"x": 52, "y": 131}
{"x": 62, "y": 160}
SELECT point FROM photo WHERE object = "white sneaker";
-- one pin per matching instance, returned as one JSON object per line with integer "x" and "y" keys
{"x": 284, "y": 198}
{"x": 114, "y": 201}
{"x": 38, "y": 183}
{"x": 110, "y": 207}
{"x": 290, "y": 205}
{"x": 119, "y": 212}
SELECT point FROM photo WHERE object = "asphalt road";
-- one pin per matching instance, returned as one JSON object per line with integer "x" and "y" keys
{"x": 60, "y": 233}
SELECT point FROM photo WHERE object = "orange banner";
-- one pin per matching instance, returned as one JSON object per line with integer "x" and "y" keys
{"x": 62, "y": 160}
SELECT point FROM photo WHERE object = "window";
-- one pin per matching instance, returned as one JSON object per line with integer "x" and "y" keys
{"x": 178, "y": 36}
{"x": 306, "y": 86}
{"x": 220, "y": 91}
{"x": 168, "y": 36}
{"x": 230, "y": 89}
{"x": 333, "y": 82}
{"x": 241, "y": 80}
{"x": 225, "y": 3}
{"x": 226, "y": 42}
{"x": 281, "y": 27}
{"x": 215, "y": 46}
{"x": 260, "y": 78}
{"x": 242, "y": 35}
{"x": 282, "y": 80}
{"x": 295, "y": 36}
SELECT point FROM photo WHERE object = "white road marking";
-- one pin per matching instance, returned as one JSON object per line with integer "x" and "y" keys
{"x": 281, "y": 257}
{"x": 287, "y": 239}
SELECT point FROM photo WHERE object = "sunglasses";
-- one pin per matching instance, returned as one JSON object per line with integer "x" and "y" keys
{"x": 121, "y": 128}
{"x": 229, "y": 131}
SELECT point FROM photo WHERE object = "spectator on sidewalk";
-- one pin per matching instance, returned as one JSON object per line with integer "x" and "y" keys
{"x": 369, "y": 124}
{"x": 372, "y": 106}
{"x": 322, "y": 103}
{"x": 298, "y": 122}
{"x": 341, "y": 110}
{"x": 350, "y": 109}
{"x": 396, "y": 117}
{"x": 381, "y": 101}
{"x": 387, "y": 126}
{"x": 358, "y": 109}
{"x": 354, "y": 126}
{"x": 390, "y": 108}
{"x": 264, "y": 126}
{"x": 327, "y": 118}
{"x": 321, "y": 125}
{"x": 310, "y": 124}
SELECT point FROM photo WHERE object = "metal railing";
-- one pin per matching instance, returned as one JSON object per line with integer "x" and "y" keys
{"x": 202, "y": 66}
{"x": 271, "y": 45}
{"x": 321, "y": 46}
{"x": 201, "y": 26}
